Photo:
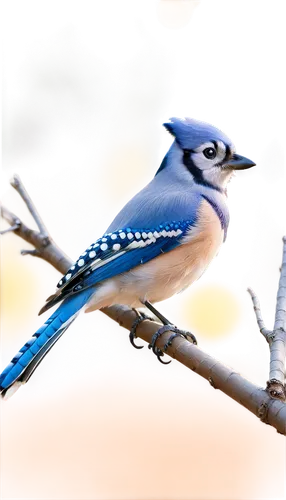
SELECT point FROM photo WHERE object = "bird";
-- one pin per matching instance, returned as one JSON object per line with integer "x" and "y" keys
{"x": 162, "y": 241}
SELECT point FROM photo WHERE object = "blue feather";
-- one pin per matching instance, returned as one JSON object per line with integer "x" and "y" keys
{"x": 168, "y": 207}
{"x": 100, "y": 262}
{"x": 129, "y": 260}
{"x": 31, "y": 354}
{"x": 190, "y": 133}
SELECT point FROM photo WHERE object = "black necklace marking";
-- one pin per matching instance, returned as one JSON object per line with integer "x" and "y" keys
{"x": 220, "y": 214}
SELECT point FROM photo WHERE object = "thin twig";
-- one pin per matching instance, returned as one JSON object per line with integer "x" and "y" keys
{"x": 17, "y": 184}
{"x": 257, "y": 310}
{"x": 45, "y": 246}
{"x": 278, "y": 344}
{"x": 11, "y": 228}
{"x": 34, "y": 253}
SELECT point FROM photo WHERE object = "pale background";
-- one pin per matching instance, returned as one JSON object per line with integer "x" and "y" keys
{"x": 98, "y": 419}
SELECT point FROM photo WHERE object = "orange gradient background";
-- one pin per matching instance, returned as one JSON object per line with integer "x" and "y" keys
{"x": 122, "y": 430}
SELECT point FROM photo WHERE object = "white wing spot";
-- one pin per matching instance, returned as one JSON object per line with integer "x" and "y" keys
{"x": 68, "y": 276}
{"x": 92, "y": 254}
{"x": 113, "y": 236}
{"x": 134, "y": 244}
{"x": 103, "y": 239}
{"x": 122, "y": 236}
{"x": 129, "y": 236}
{"x": 72, "y": 268}
{"x": 137, "y": 236}
{"x": 144, "y": 235}
{"x": 60, "y": 282}
{"x": 104, "y": 247}
{"x": 80, "y": 262}
{"x": 116, "y": 246}
{"x": 83, "y": 254}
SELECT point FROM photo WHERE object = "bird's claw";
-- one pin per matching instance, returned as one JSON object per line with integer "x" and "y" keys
{"x": 177, "y": 333}
{"x": 132, "y": 335}
{"x": 158, "y": 352}
{"x": 181, "y": 332}
{"x": 165, "y": 328}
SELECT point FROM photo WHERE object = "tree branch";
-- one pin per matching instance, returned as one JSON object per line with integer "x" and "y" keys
{"x": 267, "y": 334}
{"x": 255, "y": 399}
{"x": 276, "y": 385}
{"x": 45, "y": 246}
{"x": 17, "y": 184}
{"x": 276, "y": 337}
{"x": 12, "y": 228}
{"x": 269, "y": 408}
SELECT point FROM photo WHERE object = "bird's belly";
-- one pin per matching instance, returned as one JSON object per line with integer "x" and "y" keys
{"x": 174, "y": 271}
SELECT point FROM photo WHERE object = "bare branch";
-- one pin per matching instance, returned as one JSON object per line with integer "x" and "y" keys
{"x": 10, "y": 229}
{"x": 278, "y": 346}
{"x": 255, "y": 399}
{"x": 256, "y": 306}
{"x": 34, "y": 253}
{"x": 18, "y": 185}
{"x": 47, "y": 249}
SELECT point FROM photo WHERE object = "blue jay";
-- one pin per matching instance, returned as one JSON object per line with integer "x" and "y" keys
{"x": 159, "y": 243}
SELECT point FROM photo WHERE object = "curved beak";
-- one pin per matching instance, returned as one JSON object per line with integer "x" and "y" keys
{"x": 238, "y": 162}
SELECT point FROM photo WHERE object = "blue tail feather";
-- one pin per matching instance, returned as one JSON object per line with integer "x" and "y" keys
{"x": 33, "y": 351}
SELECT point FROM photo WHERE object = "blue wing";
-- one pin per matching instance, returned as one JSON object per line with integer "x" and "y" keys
{"x": 116, "y": 253}
{"x": 167, "y": 209}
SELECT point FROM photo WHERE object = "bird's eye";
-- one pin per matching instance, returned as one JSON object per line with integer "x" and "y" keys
{"x": 210, "y": 153}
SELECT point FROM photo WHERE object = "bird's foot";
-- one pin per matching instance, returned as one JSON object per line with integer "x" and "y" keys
{"x": 167, "y": 327}
{"x": 177, "y": 333}
{"x": 132, "y": 335}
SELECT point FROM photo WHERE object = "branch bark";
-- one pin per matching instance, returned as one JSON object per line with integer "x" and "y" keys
{"x": 275, "y": 384}
{"x": 269, "y": 407}
{"x": 256, "y": 399}
{"x": 17, "y": 184}
{"x": 277, "y": 354}
{"x": 267, "y": 334}
{"x": 45, "y": 246}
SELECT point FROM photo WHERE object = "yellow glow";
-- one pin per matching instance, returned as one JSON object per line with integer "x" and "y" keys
{"x": 212, "y": 311}
{"x": 22, "y": 290}
{"x": 125, "y": 166}
{"x": 176, "y": 14}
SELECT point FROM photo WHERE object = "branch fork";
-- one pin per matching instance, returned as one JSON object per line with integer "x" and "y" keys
{"x": 267, "y": 404}
{"x": 276, "y": 338}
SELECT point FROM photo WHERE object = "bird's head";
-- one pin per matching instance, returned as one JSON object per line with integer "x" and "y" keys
{"x": 206, "y": 152}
